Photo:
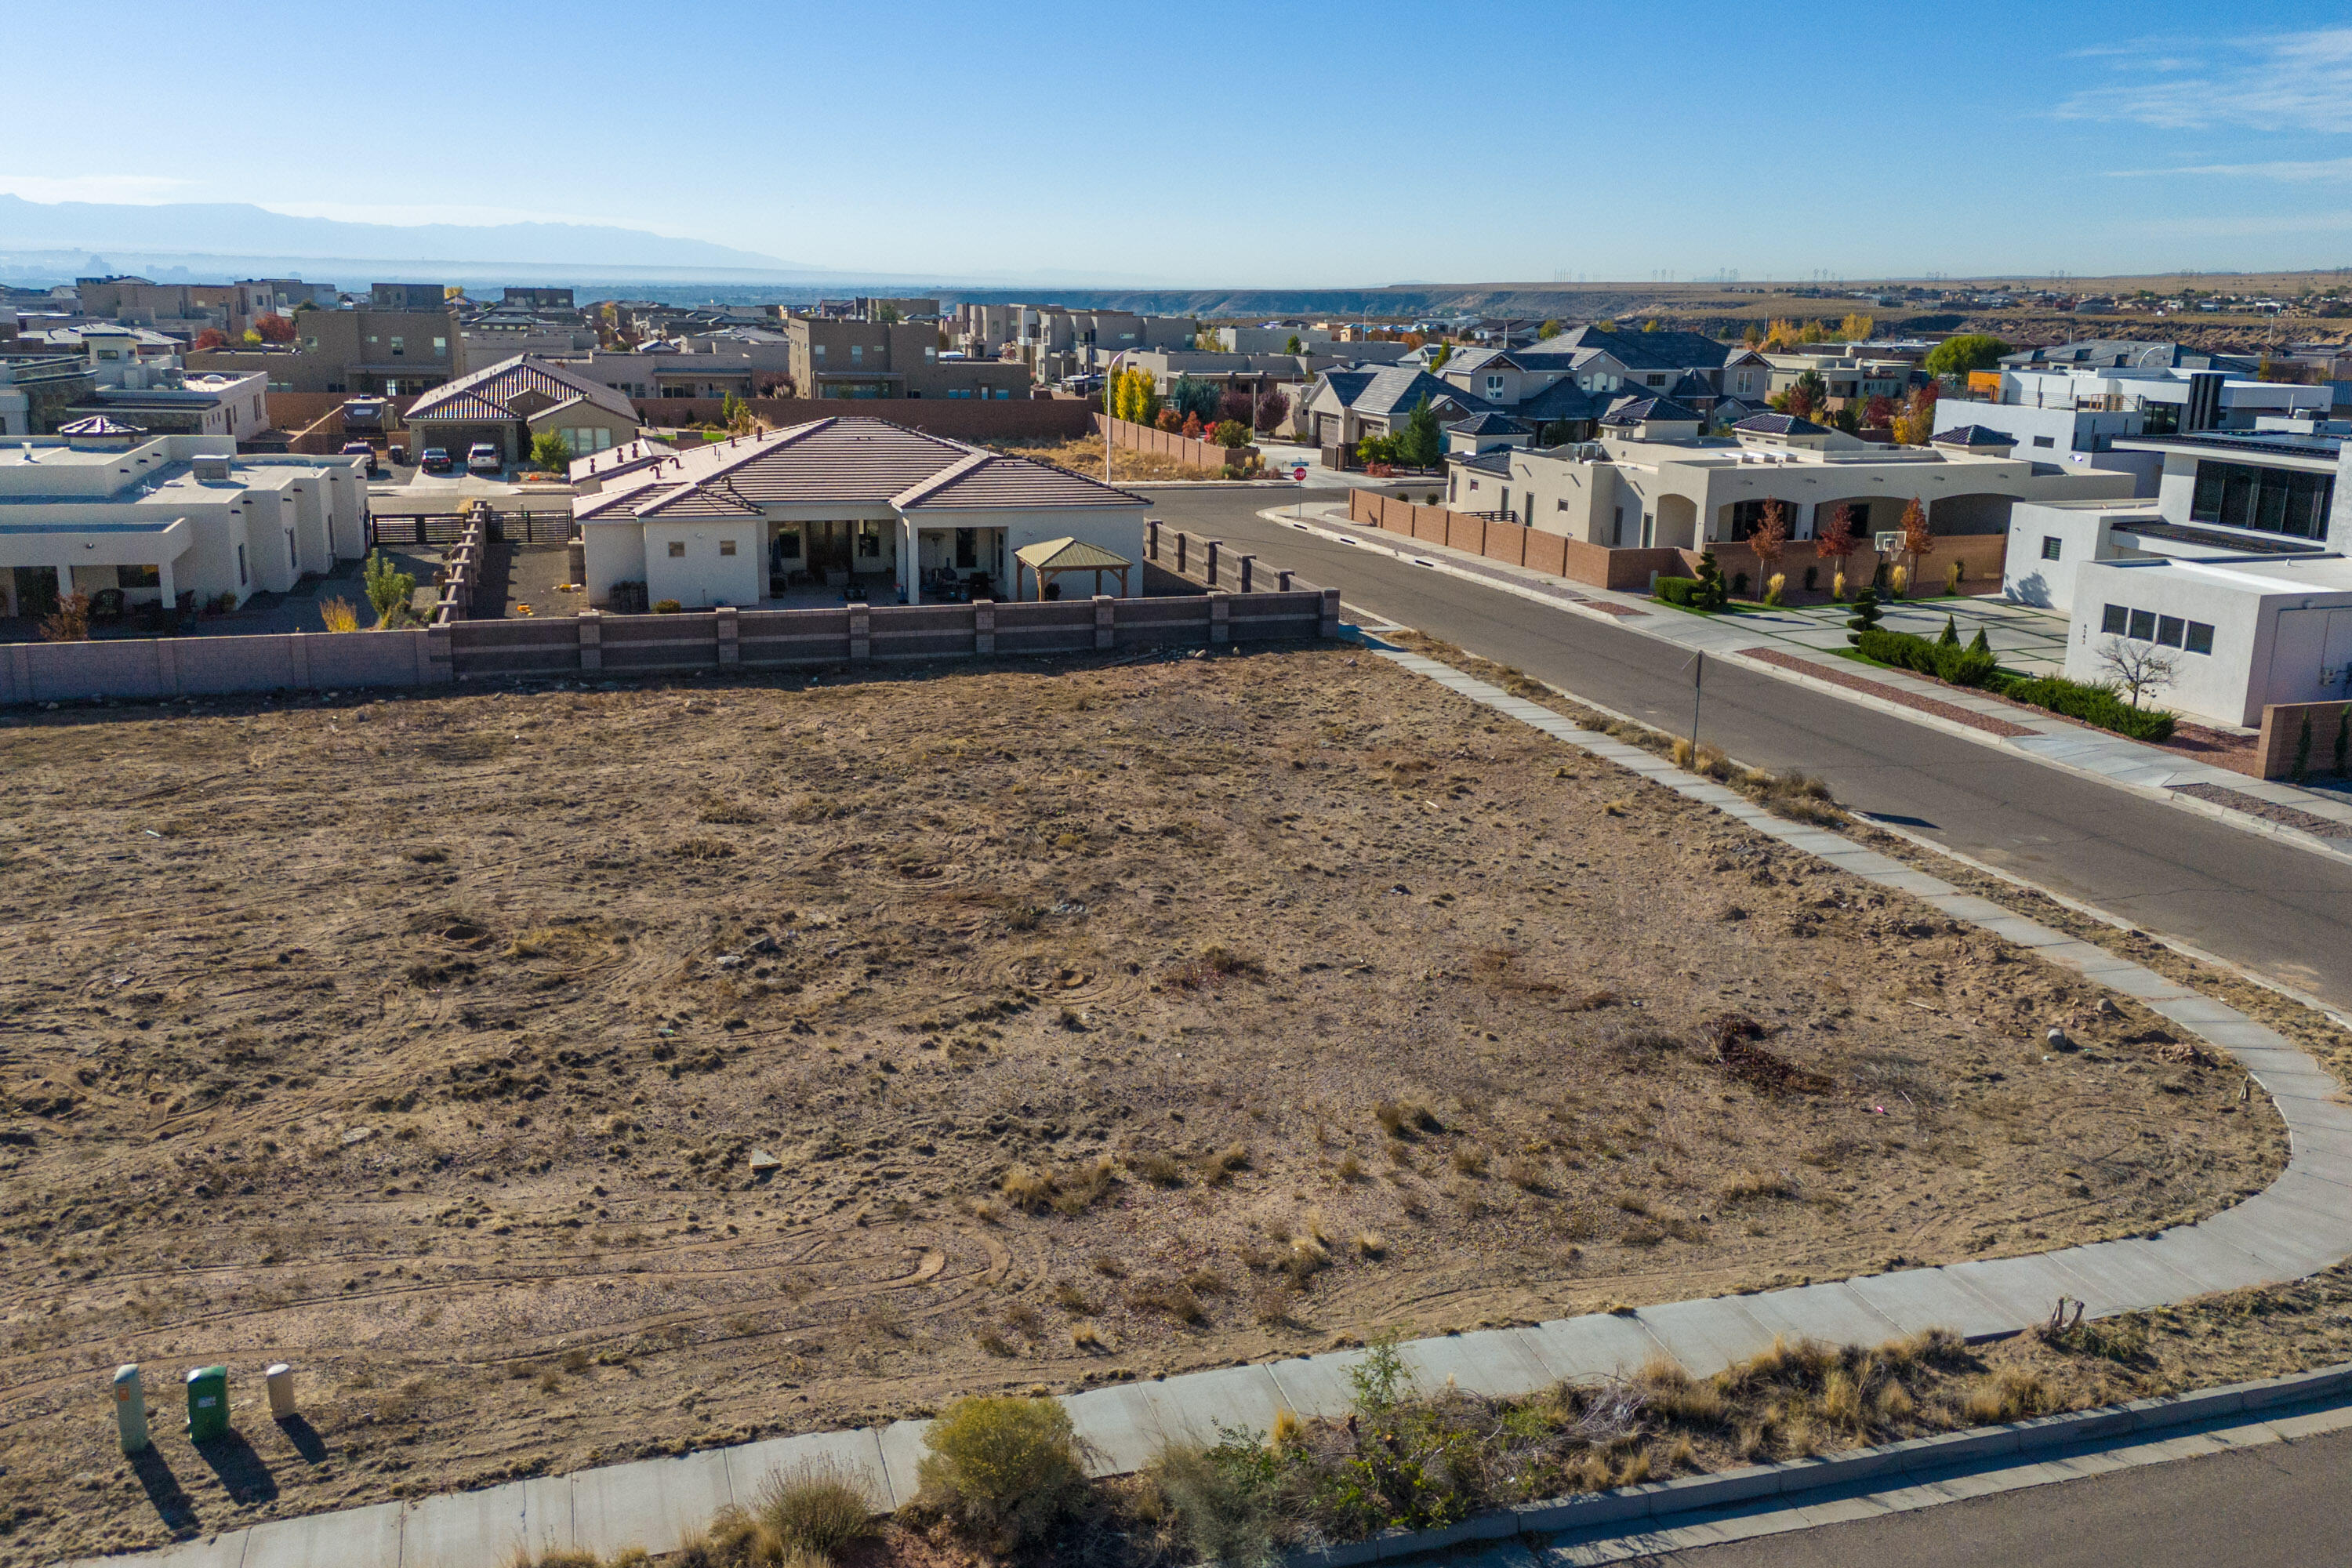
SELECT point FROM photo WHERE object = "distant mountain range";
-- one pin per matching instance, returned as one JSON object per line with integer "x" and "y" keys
{"x": 239, "y": 228}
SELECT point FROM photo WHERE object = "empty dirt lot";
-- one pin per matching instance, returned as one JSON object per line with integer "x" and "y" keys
{"x": 1082, "y": 1021}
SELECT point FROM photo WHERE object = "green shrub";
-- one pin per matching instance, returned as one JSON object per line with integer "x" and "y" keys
{"x": 1866, "y": 617}
{"x": 1710, "y": 593}
{"x": 666, "y": 606}
{"x": 1216, "y": 1505}
{"x": 1944, "y": 660}
{"x": 1003, "y": 1470}
{"x": 2093, "y": 704}
{"x": 1683, "y": 590}
{"x": 815, "y": 1509}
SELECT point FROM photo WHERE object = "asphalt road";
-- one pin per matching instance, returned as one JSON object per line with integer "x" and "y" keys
{"x": 2284, "y": 912}
{"x": 2284, "y": 1505}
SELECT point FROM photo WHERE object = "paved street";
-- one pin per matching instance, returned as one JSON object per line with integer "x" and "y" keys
{"x": 2286, "y": 1505}
{"x": 2273, "y": 906}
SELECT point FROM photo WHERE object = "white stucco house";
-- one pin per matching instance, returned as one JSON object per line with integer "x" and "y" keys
{"x": 835, "y": 506}
{"x": 2237, "y": 568}
{"x": 156, "y": 518}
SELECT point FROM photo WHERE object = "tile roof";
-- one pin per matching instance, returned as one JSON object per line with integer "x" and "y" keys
{"x": 1400, "y": 387}
{"x": 1636, "y": 351}
{"x": 1643, "y": 410}
{"x": 485, "y": 393}
{"x": 840, "y": 460}
{"x": 627, "y": 458}
{"x": 1489, "y": 423}
{"x": 988, "y": 481}
{"x": 1973, "y": 435}
{"x": 1497, "y": 462}
{"x": 1780, "y": 425}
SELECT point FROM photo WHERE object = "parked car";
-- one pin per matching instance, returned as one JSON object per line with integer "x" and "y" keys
{"x": 435, "y": 460}
{"x": 483, "y": 458}
{"x": 362, "y": 449}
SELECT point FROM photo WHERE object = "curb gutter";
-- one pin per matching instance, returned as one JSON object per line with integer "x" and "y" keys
{"x": 1795, "y": 1477}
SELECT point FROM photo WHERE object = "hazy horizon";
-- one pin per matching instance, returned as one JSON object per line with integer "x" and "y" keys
{"x": 1322, "y": 150}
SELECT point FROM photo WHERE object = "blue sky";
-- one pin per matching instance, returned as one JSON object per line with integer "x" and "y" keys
{"x": 1283, "y": 144}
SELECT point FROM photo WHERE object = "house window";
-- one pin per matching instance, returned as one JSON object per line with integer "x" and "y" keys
{"x": 2269, "y": 500}
{"x": 869, "y": 542}
{"x": 1494, "y": 386}
{"x": 788, "y": 545}
{"x": 677, "y": 548}
{"x": 2200, "y": 639}
{"x": 857, "y": 353}
{"x": 397, "y": 350}
{"x": 2143, "y": 625}
{"x": 2112, "y": 620}
{"x": 1657, "y": 380}
{"x": 726, "y": 547}
{"x": 818, "y": 351}
{"x": 440, "y": 348}
{"x": 2046, "y": 440}
{"x": 137, "y": 577}
{"x": 2050, "y": 547}
{"x": 2167, "y": 630}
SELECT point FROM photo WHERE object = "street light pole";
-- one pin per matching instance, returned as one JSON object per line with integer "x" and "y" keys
{"x": 1111, "y": 416}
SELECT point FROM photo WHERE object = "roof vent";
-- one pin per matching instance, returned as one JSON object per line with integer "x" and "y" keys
{"x": 210, "y": 468}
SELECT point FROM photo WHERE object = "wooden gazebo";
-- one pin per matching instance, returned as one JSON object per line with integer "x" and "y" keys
{"x": 1056, "y": 557}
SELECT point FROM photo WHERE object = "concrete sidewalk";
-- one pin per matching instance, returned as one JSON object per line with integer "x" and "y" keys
{"x": 2301, "y": 1224}
{"x": 2315, "y": 819}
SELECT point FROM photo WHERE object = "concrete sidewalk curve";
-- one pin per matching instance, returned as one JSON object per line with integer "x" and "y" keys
{"x": 2301, "y": 1224}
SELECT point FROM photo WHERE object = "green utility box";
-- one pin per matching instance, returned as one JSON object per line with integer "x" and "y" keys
{"x": 207, "y": 1403}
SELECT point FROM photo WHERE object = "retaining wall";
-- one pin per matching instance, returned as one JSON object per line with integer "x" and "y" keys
{"x": 208, "y": 666}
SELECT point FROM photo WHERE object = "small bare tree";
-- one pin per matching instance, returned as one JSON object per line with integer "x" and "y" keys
{"x": 2137, "y": 667}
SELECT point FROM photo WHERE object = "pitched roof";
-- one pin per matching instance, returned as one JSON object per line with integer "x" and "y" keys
{"x": 1637, "y": 351}
{"x": 99, "y": 424}
{"x": 990, "y": 481}
{"x": 1644, "y": 410}
{"x": 1780, "y": 425}
{"x": 1489, "y": 423}
{"x": 1972, "y": 436}
{"x": 1401, "y": 386}
{"x": 841, "y": 460}
{"x": 1497, "y": 462}
{"x": 485, "y": 393}
{"x": 1067, "y": 554}
{"x": 627, "y": 458}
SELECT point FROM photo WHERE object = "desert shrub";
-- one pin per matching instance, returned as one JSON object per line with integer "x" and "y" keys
{"x": 1215, "y": 1504}
{"x": 2005, "y": 1396}
{"x": 2097, "y": 705}
{"x": 667, "y": 606}
{"x": 1158, "y": 1167}
{"x": 816, "y": 1509}
{"x": 1683, "y": 590}
{"x": 1171, "y": 1297}
{"x": 1005, "y": 1470}
{"x": 1751, "y": 1184}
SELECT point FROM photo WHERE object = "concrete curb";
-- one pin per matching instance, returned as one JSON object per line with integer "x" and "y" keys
{"x": 2241, "y": 821}
{"x": 1794, "y": 1478}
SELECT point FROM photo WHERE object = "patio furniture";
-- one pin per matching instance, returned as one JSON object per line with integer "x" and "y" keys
{"x": 106, "y": 604}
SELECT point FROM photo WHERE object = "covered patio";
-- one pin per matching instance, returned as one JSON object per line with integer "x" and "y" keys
{"x": 1054, "y": 559}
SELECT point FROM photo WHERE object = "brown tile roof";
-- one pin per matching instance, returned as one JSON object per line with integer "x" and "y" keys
{"x": 845, "y": 461}
{"x": 485, "y": 393}
{"x": 989, "y": 482}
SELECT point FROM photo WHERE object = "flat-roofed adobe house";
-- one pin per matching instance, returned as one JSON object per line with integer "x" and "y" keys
{"x": 808, "y": 514}
{"x": 512, "y": 403}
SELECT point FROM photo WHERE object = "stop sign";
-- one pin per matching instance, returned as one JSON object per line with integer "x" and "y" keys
{"x": 1298, "y": 471}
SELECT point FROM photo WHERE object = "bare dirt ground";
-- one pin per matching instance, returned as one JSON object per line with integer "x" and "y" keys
{"x": 564, "y": 1076}
{"x": 1129, "y": 466}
